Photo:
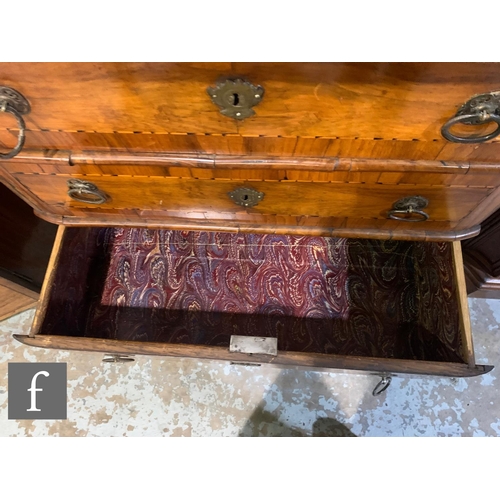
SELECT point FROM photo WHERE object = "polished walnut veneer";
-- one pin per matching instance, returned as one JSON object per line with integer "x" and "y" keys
{"x": 331, "y": 145}
{"x": 341, "y": 197}
{"x": 362, "y": 110}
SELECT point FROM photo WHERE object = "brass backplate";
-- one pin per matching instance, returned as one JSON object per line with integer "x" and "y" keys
{"x": 246, "y": 197}
{"x": 411, "y": 202}
{"x": 14, "y": 99}
{"x": 236, "y": 97}
{"x": 481, "y": 105}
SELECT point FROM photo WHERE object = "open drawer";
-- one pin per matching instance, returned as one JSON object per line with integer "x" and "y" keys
{"x": 382, "y": 306}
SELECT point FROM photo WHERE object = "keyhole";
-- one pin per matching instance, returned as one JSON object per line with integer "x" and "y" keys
{"x": 236, "y": 99}
{"x": 245, "y": 197}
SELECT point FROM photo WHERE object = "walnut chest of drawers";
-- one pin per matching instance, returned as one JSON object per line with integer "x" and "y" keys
{"x": 353, "y": 156}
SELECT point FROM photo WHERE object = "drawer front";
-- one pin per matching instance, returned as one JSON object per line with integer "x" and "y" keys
{"x": 183, "y": 196}
{"x": 331, "y": 303}
{"x": 372, "y": 110}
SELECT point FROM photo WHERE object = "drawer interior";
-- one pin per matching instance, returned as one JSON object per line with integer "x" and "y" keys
{"x": 334, "y": 296}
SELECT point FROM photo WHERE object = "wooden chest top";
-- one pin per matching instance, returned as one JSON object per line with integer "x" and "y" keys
{"x": 368, "y": 110}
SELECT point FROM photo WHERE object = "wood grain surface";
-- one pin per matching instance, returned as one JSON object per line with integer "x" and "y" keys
{"x": 463, "y": 304}
{"x": 283, "y": 359}
{"x": 15, "y": 299}
{"x": 370, "y": 110}
{"x": 323, "y": 196}
{"x": 184, "y": 195}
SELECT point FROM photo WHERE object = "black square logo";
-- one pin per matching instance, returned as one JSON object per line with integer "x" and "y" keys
{"x": 37, "y": 391}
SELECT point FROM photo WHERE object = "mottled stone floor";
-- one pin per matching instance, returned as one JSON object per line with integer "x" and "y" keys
{"x": 183, "y": 397}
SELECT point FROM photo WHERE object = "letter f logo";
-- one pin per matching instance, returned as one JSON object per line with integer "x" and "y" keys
{"x": 34, "y": 389}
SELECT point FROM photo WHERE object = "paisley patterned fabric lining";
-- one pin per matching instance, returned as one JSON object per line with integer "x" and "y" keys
{"x": 358, "y": 297}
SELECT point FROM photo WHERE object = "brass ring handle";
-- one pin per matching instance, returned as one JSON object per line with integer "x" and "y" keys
{"x": 14, "y": 103}
{"x": 5, "y": 107}
{"x": 478, "y": 110}
{"x": 471, "y": 119}
{"x": 411, "y": 206}
{"x": 384, "y": 383}
{"x": 421, "y": 216}
{"x": 86, "y": 192}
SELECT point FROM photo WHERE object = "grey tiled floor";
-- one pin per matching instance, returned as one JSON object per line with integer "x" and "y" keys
{"x": 183, "y": 397}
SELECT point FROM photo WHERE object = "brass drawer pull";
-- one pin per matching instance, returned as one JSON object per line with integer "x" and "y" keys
{"x": 409, "y": 209}
{"x": 14, "y": 103}
{"x": 236, "y": 98}
{"x": 116, "y": 358}
{"x": 86, "y": 192}
{"x": 246, "y": 197}
{"x": 481, "y": 109}
{"x": 384, "y": 383}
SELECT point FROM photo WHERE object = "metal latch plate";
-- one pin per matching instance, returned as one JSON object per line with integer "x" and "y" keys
{"x": 254, "y": 345}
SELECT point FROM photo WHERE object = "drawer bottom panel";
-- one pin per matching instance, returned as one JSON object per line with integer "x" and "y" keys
{"x": 333, "y": 300}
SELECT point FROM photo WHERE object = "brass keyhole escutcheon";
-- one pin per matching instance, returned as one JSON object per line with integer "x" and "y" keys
{"x": 236, "y": 98}
{"x": 246, "y": 197}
